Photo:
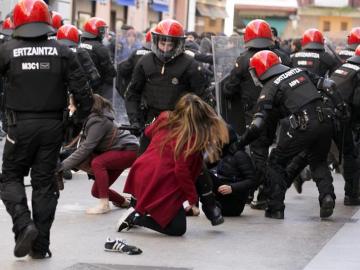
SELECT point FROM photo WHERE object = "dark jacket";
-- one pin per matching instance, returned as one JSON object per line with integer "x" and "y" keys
{"x": 100, "y": 134}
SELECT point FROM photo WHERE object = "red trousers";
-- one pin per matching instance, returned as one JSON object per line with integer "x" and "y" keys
{"x": 107, "y": 167}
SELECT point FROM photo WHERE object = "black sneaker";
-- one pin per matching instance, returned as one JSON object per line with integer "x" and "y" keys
{"x": 39, "y": 255}
{"x": 121, "y": 246}
{"x": 327, "y": 206}
{"x": 25, "y": 240}
{"x": 127, "y": 220}
{"x": 258, "y": 205}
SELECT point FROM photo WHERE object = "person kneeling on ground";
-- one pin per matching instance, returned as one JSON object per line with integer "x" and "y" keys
{"x": 104, "y": 151}
{"x": 163, "y": 178}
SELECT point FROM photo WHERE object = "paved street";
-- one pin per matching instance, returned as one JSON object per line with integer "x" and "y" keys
{"x": 301, "y": 241}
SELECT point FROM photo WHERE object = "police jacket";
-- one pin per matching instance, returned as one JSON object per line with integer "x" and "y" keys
{"x": 315, "y": 61}
{"x": 289, "y": 92}
{"x": 88, "y": 66}
{"x": 345, "y": 54}
{"x": 240, "y": 81}
{"x": 347, "y": 79}
{"x": 126, "y": 68}
{"x": 160, "y": 85}
{"x": 39, "y": 72}
{"x": 101, "y": 58}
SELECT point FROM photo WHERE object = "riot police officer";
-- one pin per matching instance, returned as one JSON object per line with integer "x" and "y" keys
{"x": 240, "y": 86}
{"x": 69, "y": 36}
{"x": 347, "y": 79}
{"x": 162, "y": 76}
{"x": 92, "y": 36}
{"x": 353, "y": 40}
{"x": 313, "y": 56}
{"x": 293, "y": 93}
{"x": 39, "y": 72}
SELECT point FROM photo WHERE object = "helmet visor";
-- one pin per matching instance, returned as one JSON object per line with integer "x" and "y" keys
{"x": 167, "y": 48}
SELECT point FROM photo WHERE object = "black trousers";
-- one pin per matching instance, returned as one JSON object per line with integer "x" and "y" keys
{"x": 176, "y": 227}
{"x": 315, "y": 141}
{"x": 32, "y": 144}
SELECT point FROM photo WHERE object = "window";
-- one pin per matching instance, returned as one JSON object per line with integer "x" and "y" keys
{"x": 326, "y": 26}
{"x": 344, "y": 26}
{"x": 212, "y": 23}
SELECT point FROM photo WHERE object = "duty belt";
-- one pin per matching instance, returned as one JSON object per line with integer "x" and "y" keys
{"x": 301, "y": 119}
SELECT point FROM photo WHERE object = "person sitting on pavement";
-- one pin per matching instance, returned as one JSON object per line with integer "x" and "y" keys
{"x": 233, "y": 178}
{"x": 163, "y": 178}
{"x": 104, "y": 151}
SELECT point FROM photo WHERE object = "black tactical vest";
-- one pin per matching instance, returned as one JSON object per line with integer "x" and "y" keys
{"x": 297, "y": 90}
{"x": 345, "y": 78}
{"x": 164, "y": 83}
{"x": 345, "y": 54}
{"x": 35, "y": 77}
{"x": 309, "y": 60}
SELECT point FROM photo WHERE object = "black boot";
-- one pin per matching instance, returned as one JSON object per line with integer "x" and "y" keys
{"x": 349, "y": 200}
{"x": 25, "y": 240}
{"x": 211, "y": 210}
{"x": 327, "y": 206}
{"x": 278, "y": 214}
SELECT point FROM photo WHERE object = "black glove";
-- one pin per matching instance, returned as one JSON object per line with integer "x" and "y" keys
{"x": 325, "y": 84}
{"x": 137, "y": 129}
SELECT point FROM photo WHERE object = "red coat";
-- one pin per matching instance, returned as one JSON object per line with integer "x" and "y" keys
{"x": 159, "y": 182}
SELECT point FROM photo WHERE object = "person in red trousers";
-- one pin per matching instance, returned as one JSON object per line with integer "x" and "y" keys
{"x": 163, "y": 178}
{"x": 104, "y": 151}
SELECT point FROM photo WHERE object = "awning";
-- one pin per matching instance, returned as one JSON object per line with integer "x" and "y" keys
{"x": 278, "y": 23}
{"x": 125, "y": 2}
{"x": 211, "y": 11}
{"x": 160, "y": 5}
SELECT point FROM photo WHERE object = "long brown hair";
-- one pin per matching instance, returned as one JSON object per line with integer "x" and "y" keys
{"x": 101, "y": 104}
{"x": 196, "y": 127}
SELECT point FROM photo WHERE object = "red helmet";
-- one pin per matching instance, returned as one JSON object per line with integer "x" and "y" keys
{"x": 266, "y": 64}
{"x": 7, "y": 27}
{"x": 356, "y": 58}
{"x": 354, "y": 38}
{"x": 94, "y": 28}
{"x": 258, "y": 35}
{"x": 57, "y": 19}
{"x": 148, "y": 36}
{"x": 172, "y": 33}
{"x": 31, "y": 19}
{"x": 68, "y": 35}
{"x": 312, "y": 39}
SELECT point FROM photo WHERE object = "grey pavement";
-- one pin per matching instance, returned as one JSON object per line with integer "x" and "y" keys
{"x": 252, "y": 242}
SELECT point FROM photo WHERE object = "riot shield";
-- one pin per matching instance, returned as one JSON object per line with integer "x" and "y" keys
{"x": 225, "y": 52}
{"x": 126, "y": 42}
{"x": 330, "y": 48}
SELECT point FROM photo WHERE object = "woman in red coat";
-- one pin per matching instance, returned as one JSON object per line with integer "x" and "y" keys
{"x": 163, "y": 178}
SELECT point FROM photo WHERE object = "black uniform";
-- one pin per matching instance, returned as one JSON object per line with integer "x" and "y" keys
{"x": 241, "y": 89}
{"x": 39, "y": 72}
{"x": 101, "y": 57}
{"x": 236, "y": 170}
{"x": 125, "y": 69}
{"x": 315, "y": 61}
{"x": 160, "y": 85}
{"x": 309, "y": 130}
{"x": 347, "y": 79}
